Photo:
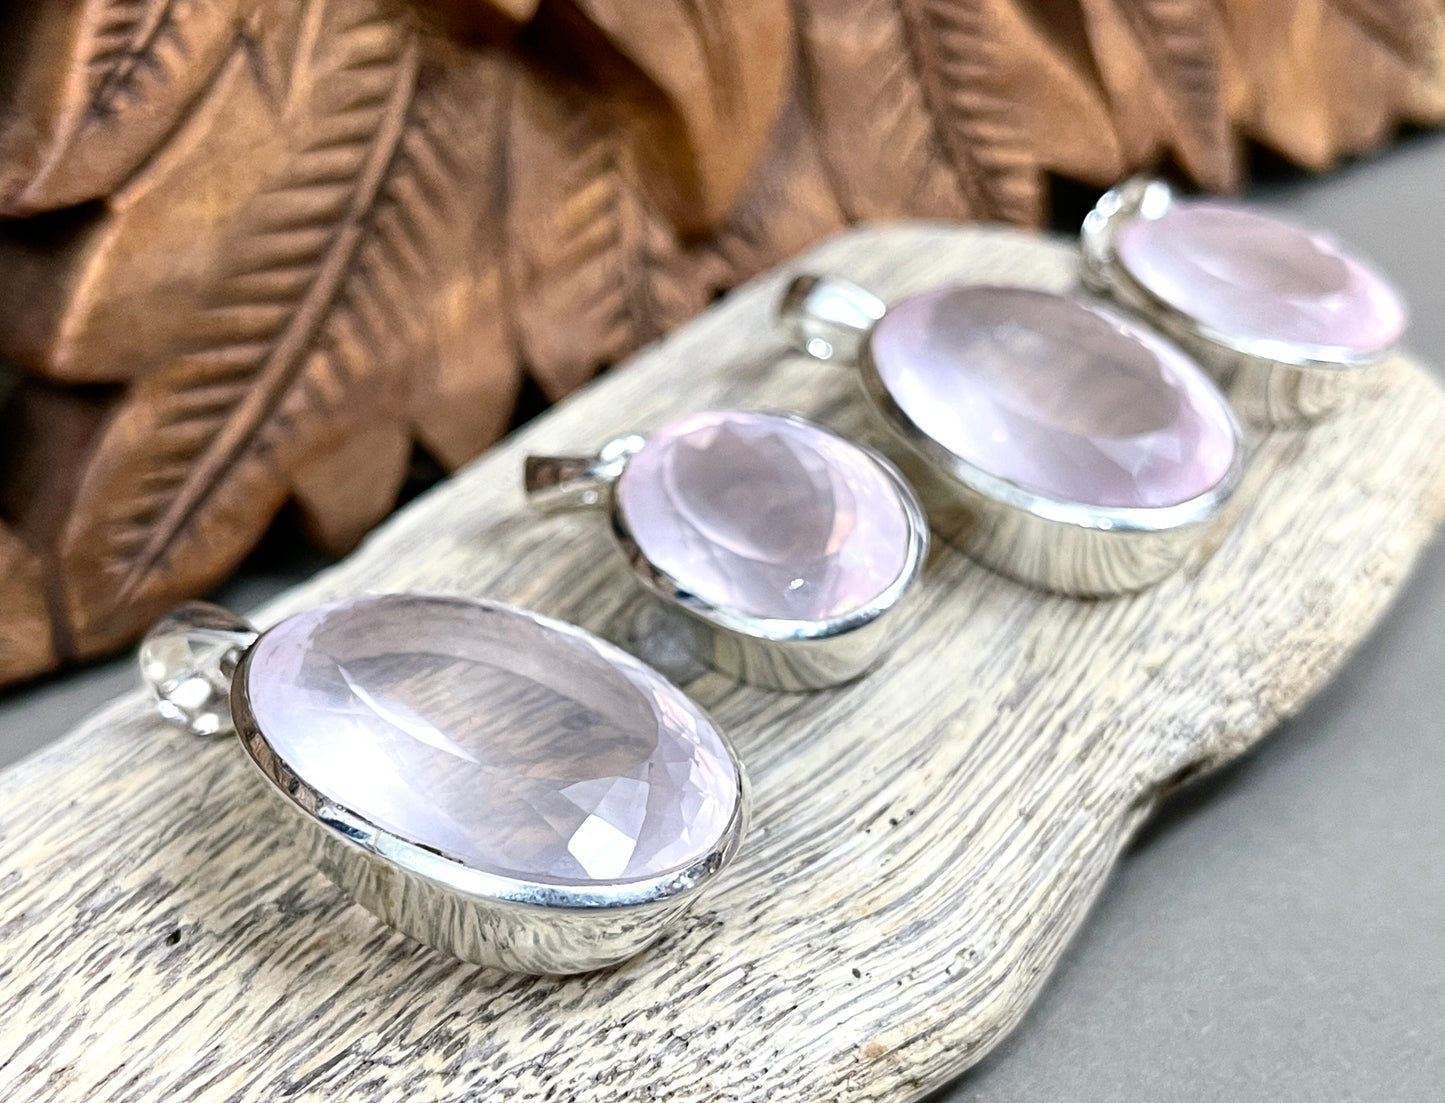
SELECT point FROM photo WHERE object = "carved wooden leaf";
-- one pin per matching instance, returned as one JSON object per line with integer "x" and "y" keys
{"x": 1052, "y": 77}
{"x": 1285, "y": 108}
{"x": 141, "y": 279}
{"x": 858, "y": 65}
{"x": 417, "y": 342}
{"x": 1332, "y": 77}
{"x": 1373, "y": 44}
{"x": 1159, "y": 61}
{"x": 723, "y": 70}
{"x": 596, "y": 270}
{"x": 789, "y": 204}
{"x": 959, "y": 58}
{"x": 135, "y": 67}
{"x": 189, "y": 465}
{"x": 1403, "y": 27}
{"x": 446, "y": 199}
{"x": 349, "y": 488}
{"x": 45, "y": 431}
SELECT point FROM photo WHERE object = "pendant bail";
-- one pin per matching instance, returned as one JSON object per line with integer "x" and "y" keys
{"x": 188, "y": 659}
{"x": 556, "y": 483}
{"x": 828, "y": 318}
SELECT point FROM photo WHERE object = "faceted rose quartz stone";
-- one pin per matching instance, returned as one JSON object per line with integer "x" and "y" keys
{"x": 766, "y": 515}
{"x": 1249, "y": 277}
{"x": 525, "y": 749}
{"x": 1063, "y": 398}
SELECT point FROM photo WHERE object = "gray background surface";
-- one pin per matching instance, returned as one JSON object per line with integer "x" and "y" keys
{"x": 1276, "y": 932}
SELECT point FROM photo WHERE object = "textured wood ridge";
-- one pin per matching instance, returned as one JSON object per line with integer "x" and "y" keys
{"x": 256, "y": 252}
{"x": 926, "y": 841}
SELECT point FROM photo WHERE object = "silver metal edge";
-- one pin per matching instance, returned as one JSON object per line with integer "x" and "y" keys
{"x": 1270, "y": 382}
{"x": 793, "y": 655}
{"x": 1067, "y": 547}
{"x": 484, "y": 918}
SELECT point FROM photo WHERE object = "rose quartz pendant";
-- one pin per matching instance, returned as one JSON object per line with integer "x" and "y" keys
{"x": 1058, "y": 397}
{"x": 1288, "y": 319}
{"x": 498, "y": 785}
{"x": 786, "y": 548}
{"x": 1053, "y": 438}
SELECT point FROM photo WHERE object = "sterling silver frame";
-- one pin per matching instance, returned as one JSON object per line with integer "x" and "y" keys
{"x": 790, "y": 655}
{"x": 485, "y": 918}
{"x": 1269, "y": 382}
{"x": 1066, "y": 547}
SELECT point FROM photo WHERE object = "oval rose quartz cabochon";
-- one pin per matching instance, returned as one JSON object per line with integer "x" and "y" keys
{"x": 1066, "y": 399}
{"x": 1249, "y": 277}
{"x": 515, "y": 745}
{"x": 767, "y": 515}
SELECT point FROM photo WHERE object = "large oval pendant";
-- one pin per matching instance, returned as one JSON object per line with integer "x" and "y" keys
{"x": 499, "y": 785}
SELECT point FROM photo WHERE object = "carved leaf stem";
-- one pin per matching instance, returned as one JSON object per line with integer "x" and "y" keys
{"x": 593, "y": 264}
{"x": 956, "y": 47}
{"x": 185, "y": 441}
{"x": 1159, "y": 60}
{"x": 136, "y": 68}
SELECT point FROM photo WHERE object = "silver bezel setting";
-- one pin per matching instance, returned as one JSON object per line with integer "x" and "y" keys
{"x": 1062, "y": 546}
{"x": 790, "y": 655}
{"x": 477, "y": 916}
{"x": 1269, "y": 382}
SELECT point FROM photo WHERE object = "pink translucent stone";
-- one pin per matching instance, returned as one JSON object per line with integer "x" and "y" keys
{"x": 765, "y": 515}
{"x": 1063, "y": 398}
{"x": 525, "y": 749}
{"x": 1249, "y": 277}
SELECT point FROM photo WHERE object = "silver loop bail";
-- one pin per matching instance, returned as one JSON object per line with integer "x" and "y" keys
{"x": 187, "y": 660}
{"x": 828, "y": 318}
{"x": 555, "y": 483}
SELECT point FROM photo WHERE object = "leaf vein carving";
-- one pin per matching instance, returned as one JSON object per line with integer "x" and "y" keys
{"x": 293, "y": 218}
{"x": 128, "y": 37}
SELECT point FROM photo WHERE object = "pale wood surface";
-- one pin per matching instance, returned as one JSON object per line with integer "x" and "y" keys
{"x": 925, "y": 842}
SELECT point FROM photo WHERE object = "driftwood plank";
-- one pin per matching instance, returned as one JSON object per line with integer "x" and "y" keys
{"x": 926, "y": 841}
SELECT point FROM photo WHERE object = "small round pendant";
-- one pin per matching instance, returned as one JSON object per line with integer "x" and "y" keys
{"x": 1287, "y": 318}
{"x": 498, "y": 785}
{"x": 788, "y": 549}
{"x": 1052, "y": 438}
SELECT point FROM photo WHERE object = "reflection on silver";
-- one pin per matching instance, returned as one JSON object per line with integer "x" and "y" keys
{"x": 479, "y": 917}
{"x": 1086, "y": 551}
{"x": 829, "y": 319}
{"x": 556, "y": 483}
{"x": 187, "y": 660}
{"x": 790, "y": 655}
{"x": 1268, "y": 382}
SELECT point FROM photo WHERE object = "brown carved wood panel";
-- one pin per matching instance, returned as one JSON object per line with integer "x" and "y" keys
{"x": 255, "y": 251}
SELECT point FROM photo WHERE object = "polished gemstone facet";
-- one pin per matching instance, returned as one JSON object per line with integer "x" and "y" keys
{"x": 1249, "y": 278}
{"x": 1060, "y": 397}
{"x": 766, "y": 515}
{"x": 518, "y": 746}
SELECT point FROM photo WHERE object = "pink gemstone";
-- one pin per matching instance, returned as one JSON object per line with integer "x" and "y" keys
{"x": 519, "y": 747}
{"x": 1063, "y": 398}
{"x": 1249, "y": 277}
{"x": 765, "y": 515}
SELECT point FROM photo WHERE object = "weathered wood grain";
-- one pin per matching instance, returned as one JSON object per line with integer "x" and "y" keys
{"x": 926, "y": 841}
